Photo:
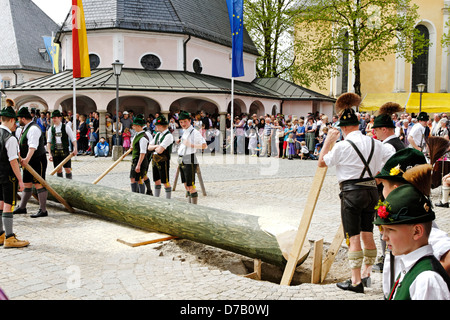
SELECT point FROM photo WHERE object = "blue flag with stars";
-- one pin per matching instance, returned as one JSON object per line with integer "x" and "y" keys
{"x": 236, "y": 13}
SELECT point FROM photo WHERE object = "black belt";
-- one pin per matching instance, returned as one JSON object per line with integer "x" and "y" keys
{"x": 358, "y": 184}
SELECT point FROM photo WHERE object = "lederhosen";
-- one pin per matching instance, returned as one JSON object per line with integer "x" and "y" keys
{"x": 188, "y": 166}
{"x": 8, "y": 180}
{"x": 358, "y": 199}
{"x": 60, "y": 151}
{"x": 161, "y": 162}
{"x": 39, "y": 159}
{"x": 135, "y": 158}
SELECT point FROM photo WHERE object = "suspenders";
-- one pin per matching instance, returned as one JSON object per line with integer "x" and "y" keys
{"x": 366, "y": 163}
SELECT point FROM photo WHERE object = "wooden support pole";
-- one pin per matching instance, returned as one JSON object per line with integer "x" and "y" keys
{"x": 59, "y": 167}
{"x": 317, "y": 261}
{"x": 332, "y": 251}
{"x": 112, "y": 166}
{"x": 49, "y": 188}
{"x": 199, "y": 175}
{"x": 304, "y": 225}
{"x": 177, "y": 174}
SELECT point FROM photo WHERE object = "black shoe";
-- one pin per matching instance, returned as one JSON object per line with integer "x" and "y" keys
{"x": 367, "y": 282}
{"x": 40, "y": 214}
{"x": 20, "y": 211}
{"x": 347, "y": 285}
{"x": 442, "y": 205}
{"x": 149, "y": 192}
{"x": 378, "y": 268}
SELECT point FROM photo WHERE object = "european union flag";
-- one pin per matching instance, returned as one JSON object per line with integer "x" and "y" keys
{"x": 236, "y": 13}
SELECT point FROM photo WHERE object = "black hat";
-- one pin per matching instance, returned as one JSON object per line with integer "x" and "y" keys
{"x": 8, "y": 112}
{"x": 24, "y": 113}
{"x": 56, "y": 113}
{"x": 161, "y": 121}
{"x": 385, "y": 113}
{"x": 423, "y": 116}
{"x": 344, "y": 108}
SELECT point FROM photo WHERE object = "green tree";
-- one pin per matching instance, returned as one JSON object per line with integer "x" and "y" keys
{"x": 367, "y": 30}
{"x": 270, "y": 24}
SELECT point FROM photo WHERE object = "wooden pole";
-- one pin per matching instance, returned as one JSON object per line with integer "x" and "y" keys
{"x": 304, "y": 225}
{"x": 331, "y": 253}
{"x": 317, "y": 261}
{"x": 112, "y": 166}
{"x": 49, "y": 188}
{"x": 200, "y": 179}
{"x": 70, "y": 156}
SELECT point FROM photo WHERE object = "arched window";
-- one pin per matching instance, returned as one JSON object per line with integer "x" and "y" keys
{"x": 420, "y": 65}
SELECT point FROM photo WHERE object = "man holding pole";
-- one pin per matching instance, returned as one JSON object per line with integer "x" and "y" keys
{"x": 32, "y": 152}
{"x": 58, "y": 143}
{"x": 357, "y": 159}
{"x": 189, "y": 143}
{"x": 139, "y": 161}
{"x": 161, "y": 148}
{"x": 10, "y": 179}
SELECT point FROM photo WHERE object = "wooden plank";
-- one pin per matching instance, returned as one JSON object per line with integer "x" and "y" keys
{"x": 317, "y": 261}
{"x": 112, "y": 166}
{"x": 70, "y": 156}
{"x": 256, "y": 274}
{"x": 144, "y": 239}
{"x": 304, "y": 225}
{"x": 332, "y": 251}
{"x": 200, "y": 179}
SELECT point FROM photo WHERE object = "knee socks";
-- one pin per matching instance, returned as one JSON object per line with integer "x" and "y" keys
{"x": 134, "y": 187}
{"x": 370, "y": 256}
{"x": 148, "y": 186}
{"x": 355, "y": 259}
{"x": 445, "y": 191}
{"x": 194, "y": 197}
{"x": 59, "y": 175}
{"x": 69, "y": 176}
{"x": 168, "y": 192}
{"x": 42, "y": 196}
{"x": 141, "y": 188}
{"x": 157, "y": 190}
{"x": 7, "y": 218}
{"x": 1, "y": 223}
{"x": 26, "y": 195}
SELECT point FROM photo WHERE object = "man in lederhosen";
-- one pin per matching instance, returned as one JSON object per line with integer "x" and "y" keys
{"x": 358, "y": 158}
{"x": 32, "y": 151}
{"x": 139, "y": 159}
{"x": 58, "y": 144}
{"x": 385, "y": 131}
{"x": 161, "y": 146}
{"x": 190, "y": 142}
{"x": 10, "y": 178}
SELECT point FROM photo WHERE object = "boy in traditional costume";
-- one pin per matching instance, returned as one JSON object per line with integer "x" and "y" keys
{"x": 139, "y": 159}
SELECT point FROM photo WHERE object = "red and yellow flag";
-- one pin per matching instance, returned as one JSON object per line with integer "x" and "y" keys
{"x": 81, "y": 64}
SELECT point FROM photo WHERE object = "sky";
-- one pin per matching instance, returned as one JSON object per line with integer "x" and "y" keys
{"x": 55, "y": 9}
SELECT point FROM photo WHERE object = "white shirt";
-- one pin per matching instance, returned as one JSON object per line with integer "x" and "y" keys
{"x": 33, "y": 135}
{"x": 348, "y": 164}
{"x": 428, "y": 285}
{"x": 417, "y": 133}
{"x": 12, "y": 146}
{"x": 194, "y": 136}
{"x": 69, "y": 132}
{"x": 440, "y": 243}
{"x": 167, "y": 142}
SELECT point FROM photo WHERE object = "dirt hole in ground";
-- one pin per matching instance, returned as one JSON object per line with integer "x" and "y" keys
{"x": 216, "y": 258}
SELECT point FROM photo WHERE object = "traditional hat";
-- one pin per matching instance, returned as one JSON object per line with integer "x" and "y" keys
{"x": 184, "y": 115}
{"x": 384, "y": 118}
{"x": 404, "y": 205}
{"x": 24, "y": 112}
{"x": 10, "y": 103}
{"x": 139, "y": 121}
{"x": 161, "y": 121}
{"x": 401, "y": 161}
{"x": 423, "y": 116}
{"x": 56, "y": 113}
{"x": 8, "y": 112}
{"x": 344, "y": 104}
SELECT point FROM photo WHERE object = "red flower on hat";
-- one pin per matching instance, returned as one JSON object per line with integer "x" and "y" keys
{"x": 383, "y": 209}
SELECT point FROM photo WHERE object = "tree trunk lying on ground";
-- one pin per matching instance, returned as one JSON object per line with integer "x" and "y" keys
{"x": 235, "y": 232}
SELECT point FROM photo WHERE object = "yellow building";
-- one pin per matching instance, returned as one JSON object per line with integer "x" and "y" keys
{"x": 395, "y": 79}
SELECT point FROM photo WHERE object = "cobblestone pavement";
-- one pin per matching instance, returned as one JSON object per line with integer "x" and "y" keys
{"x": 77, "y": 256}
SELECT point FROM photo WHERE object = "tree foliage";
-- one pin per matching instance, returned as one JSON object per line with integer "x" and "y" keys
{"x": 365, "y": 29}
{"x": 270, "y": 24}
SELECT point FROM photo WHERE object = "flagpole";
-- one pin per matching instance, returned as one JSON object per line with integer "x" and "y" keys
{"x": 232, "y": 116}
{"x": 74, "y": 116}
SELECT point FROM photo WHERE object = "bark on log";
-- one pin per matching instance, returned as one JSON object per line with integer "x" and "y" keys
{"x": 235, "y": 232}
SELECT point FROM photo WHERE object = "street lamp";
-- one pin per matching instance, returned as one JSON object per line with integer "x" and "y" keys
{"x": 117, "y": 68}
{"x": 421, "y": 89}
